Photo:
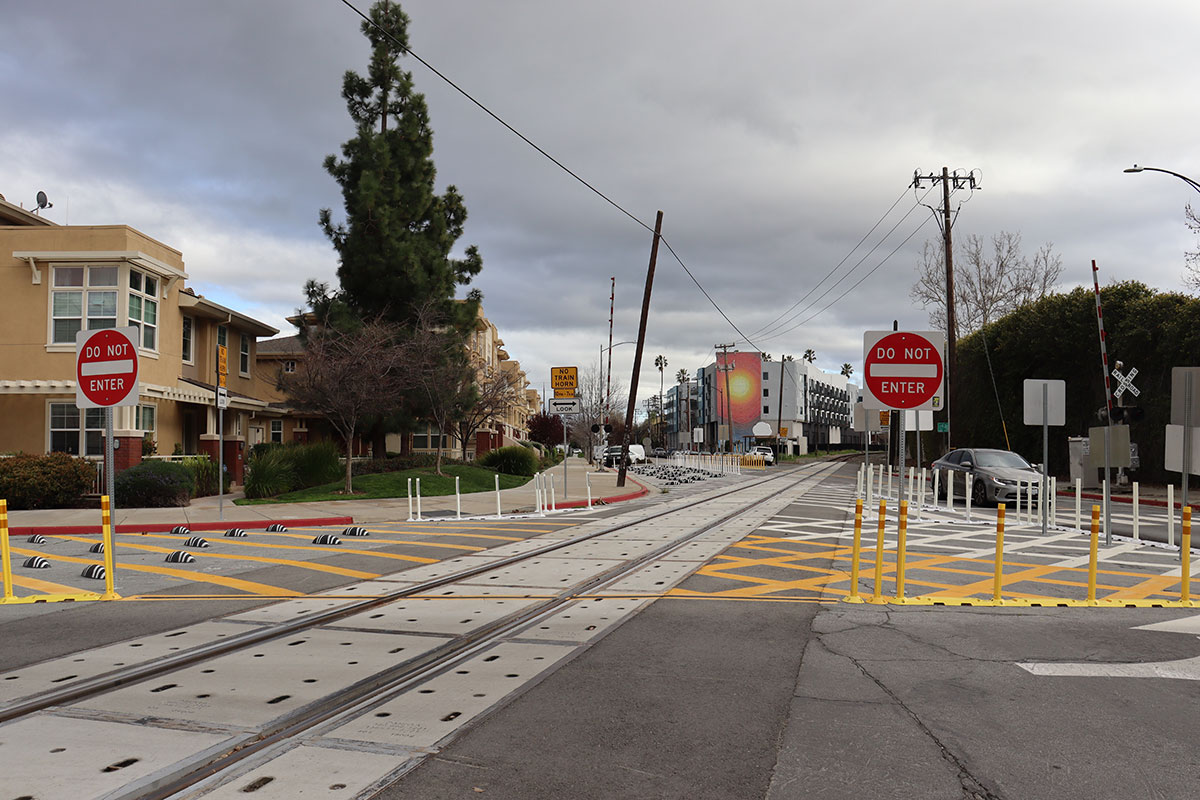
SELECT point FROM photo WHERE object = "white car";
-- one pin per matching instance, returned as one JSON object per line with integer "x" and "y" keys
{"x": 767, "y": 454}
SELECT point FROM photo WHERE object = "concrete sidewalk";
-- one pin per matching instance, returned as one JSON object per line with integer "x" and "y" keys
{"x": 205, "y": 513}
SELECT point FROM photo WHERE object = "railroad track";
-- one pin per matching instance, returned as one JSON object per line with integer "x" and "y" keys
{"x": 192, "y": 775}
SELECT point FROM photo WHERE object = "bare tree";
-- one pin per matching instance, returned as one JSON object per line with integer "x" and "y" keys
{"x": 440, "y": 374}
{"x": 591, "y": 393}
{"x": 988, "y": 282}
{"x": 494, "y": 395}
{"x": 1191, "y": 269}
{"x": 347, "y": 377}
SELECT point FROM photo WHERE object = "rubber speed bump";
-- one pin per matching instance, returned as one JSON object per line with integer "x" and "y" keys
{"x": 181, "y": 530}
{"x": 37, "y": 538}
{"x": 36, "y": 562}
{"x": 196, "y": 541}
{"x": 356, "y": 531}
{"x": 275, "y": 527}
{"x": 180, "y": 557}
{"x": 236, "y": 533}
{"x": 94, "y": 571}
{"x": 327, "y": 538}
{"x": 98, "y": 547}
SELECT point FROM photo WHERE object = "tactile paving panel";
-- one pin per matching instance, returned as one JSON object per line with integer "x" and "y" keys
{"x": 255, "y": 685}
{"x": 583, "y": 620}
{"x": 90, "y": 663}
{"x": 305, "y": 771}
{"x": 452, "y": 616}
{"x": 427, "y": 714}
{"x": 58, "y": 758}
{"x": 543, "y": 572}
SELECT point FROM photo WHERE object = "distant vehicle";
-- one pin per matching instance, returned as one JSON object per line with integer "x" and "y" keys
{"x": 992, "y": 474}
{"x": 768, "y": 455}
{"x": 612, "y": 456}
{"x": 660, "y": 452}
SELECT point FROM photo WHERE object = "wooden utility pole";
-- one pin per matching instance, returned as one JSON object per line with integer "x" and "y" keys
{"x": 783, "y": 360}
{"x": 637, "y": 358}
{"x": 725, "y": 367}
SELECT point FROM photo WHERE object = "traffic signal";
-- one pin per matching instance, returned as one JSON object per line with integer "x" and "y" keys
{"x": 595, "y": 429}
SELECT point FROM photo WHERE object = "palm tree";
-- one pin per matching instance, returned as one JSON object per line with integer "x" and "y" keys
{"x": 684, "y": 379}
{"x": 661, "y": 363}
{"x": 847, "y": 369}
{"x": 810, "y": 355}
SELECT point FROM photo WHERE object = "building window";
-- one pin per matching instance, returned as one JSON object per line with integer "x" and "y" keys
{"x": 143, "y": 308}
{"x": 277, "y": 431}
{"x": 766, "y": 392}
{"x": 244, "y": 355}
{"x": 66, "y": 436}
{"x": 289, "y": 367}
{"x": 187, "y": 340}
{"x": 766, "y": 409}
{"x": 222, "y": 335}
{"x": 72, "y": 304}
{"x": 145, "y": 418}
{"x": 765, "y": 376}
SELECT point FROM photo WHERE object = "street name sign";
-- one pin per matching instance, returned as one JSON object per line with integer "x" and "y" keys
{"x": 106, "y": 368}
{"x": 564, "y": 377}
{"x": 565, "y": 405}
{"x": 903, "y": 370}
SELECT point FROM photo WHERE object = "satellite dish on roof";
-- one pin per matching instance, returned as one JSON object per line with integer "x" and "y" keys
{"x": 43, "y": 201}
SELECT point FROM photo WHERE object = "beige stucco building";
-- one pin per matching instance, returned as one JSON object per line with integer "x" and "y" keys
{"x": 60, "y": 279}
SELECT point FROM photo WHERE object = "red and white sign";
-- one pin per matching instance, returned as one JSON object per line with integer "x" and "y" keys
{"x": 106, "y": 368}
{"x": 903, "y": 370}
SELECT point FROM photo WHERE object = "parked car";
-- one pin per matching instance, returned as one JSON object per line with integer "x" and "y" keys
{"x": 768, "y": 455}
{"x": 993, "y": 474}
{"x": 660, "y": 452}
{"x": 612, "y": 456}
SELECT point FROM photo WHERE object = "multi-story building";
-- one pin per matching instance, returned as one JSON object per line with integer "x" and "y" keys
{"x": 60, "y": 279}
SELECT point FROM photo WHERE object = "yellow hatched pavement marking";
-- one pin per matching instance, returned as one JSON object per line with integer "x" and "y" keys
{"x": 239, "y": 542}
{"x": 45, "y": 587}
{"x": 250, "y": 587}
{"x": 346, "y": 573}
{"x": 320, "y": 548}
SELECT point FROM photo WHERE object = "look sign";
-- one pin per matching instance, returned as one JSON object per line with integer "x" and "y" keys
{"x": 903, "y": 370}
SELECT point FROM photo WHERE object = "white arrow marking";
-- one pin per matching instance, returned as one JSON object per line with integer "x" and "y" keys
{"x": 1184, "y": 669}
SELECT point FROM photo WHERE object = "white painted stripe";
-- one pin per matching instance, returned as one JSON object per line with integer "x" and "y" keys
{"x": 121, "y": 367}
{"x": 904, "y": 370}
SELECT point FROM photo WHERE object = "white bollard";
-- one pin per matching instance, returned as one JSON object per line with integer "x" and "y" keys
{"x": 889, "y": 491}
{"x": 410, "y": 516}
{"x": 912, "y": 477}
{"x": 967, "y": 493}
{"x": 1135, "y": 511}
{"x": 1053, "y": 502}
{"x": 937, "y": 473}
{"x": 499, "y": 513}
{"x": 537, "y": 491}
{"x": 589, "y": 489}
{"x": 1078, "y": 501}
{"x": 870, "y": 477}
{"x": 418, "y": 498}
{"x": 1171, "y": 514}
{"x": 949, "y": 490}
{"x": 921, "y": 499}
{"x": 1018, "y": 509}
{"x": 553, "y": 502}
{"x": 457, "y": 500}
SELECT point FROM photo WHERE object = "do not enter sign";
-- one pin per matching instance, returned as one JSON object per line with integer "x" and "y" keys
{"x": 903, "y": 370}
{"x": 106, "y": 368}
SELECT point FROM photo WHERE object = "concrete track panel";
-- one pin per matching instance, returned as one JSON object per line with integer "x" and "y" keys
{"x": 423, "y": 717}
{"x": 543, "y": 572}
{"x": 250, "y": 688}
{"x": 292, "y": 610}
{"x": 622, "y": 547}
{"x": 583, "y": 620}
{"x": 56, "y": 758}
{"x": 98, "y": 661}
{"x": 653, "y": 579}
{"x": 451, "y": 616}
{"x": 305, "y": 771}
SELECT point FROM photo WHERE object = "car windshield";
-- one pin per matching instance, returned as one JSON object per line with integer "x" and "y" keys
{"x": 1000, "y": 458}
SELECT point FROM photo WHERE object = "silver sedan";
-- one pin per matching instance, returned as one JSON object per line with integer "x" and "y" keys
{"x": 994, "y": 475}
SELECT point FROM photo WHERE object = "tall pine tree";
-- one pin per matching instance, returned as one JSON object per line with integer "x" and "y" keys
{"x": 395, "y": 245}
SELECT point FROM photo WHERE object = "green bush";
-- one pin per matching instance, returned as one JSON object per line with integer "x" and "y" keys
{"x": 204, "y": 475}
{"x": 315, "y": 463}
{"x": 154, "y": 484}
{"x": 512, "y": 460}
{"x": 269, "y": 473}
{"x": 56, "y": 480}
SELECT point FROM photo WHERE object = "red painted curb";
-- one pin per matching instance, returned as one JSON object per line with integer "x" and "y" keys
{"x": 165, "y": 527}
{"x": 606, "y": 500}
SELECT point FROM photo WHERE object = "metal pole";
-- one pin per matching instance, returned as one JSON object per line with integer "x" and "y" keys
{"x": 109, "y": 476}
{"x": 1107, "y": 489}
{"x": 1187, "y": 433}
{"x": 565, "y": 452}
{"x": 221, "y": 461}
{"x": 900, "y": 457}
{"x": 637, "y": 358}
{"x": 1045, "y": 449}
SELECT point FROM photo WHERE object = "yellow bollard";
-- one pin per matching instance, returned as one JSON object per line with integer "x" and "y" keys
{"x": 109, "y": 565}
{"x": 855, "y": 552}
{"x": 878, "y": 598}
{"x": 5, "y": 553}
{"x": 1091, "y": 595}
{"x": 1185, "y": 557}
{"x": 998, "y": 577}
{"x": 901, "y": 544}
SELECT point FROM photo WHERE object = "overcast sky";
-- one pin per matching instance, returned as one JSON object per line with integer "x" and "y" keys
{"x": 773, "y": 136}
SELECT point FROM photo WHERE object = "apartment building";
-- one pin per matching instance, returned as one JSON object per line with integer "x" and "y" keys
{"x": 60, "y": 279}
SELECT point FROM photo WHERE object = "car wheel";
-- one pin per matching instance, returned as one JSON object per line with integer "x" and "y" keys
{"x": 979, "y": 494}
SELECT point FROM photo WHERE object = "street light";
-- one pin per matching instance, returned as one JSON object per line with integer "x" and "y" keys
{"x": 1184, "y": 178}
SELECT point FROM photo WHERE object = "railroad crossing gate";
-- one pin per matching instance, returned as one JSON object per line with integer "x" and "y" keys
{"x": 903, "y": 370}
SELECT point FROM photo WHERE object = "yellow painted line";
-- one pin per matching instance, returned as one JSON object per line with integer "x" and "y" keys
{"x": 321, "y": 548}
{"x": 346, "y": 573}
{"x": 250, "y": 587}
{"x": 46, "y": 587}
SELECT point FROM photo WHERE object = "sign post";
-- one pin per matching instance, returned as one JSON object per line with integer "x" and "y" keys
{"x": 1045, "y": 405}
{"x": 565, "y": 382}
{"x": 106, "y": 375}
{"x": 222, "y": 372}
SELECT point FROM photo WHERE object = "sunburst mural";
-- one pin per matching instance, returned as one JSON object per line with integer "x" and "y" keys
{"x": 745, "y": 391}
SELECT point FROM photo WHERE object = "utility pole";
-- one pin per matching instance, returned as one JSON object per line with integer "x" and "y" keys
{"x": 726, "y": 367}
{"x": 783, "y": 360}
{"x": 637, "y": 357}
{"x": 946, "y": 224}
{"x": 608, "y": 375}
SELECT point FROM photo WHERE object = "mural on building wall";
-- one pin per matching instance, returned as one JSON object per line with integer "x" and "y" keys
{"x": 745, "y": 391}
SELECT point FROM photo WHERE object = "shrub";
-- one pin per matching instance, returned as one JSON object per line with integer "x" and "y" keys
{"x": 314, "y": 464}
{"x": 56, "y": 480}
{"x": 154, "y": 484}
{"x": 204, "y": 475}
{"x": 269, "y": 473}
{"x": 512, "y": 460}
